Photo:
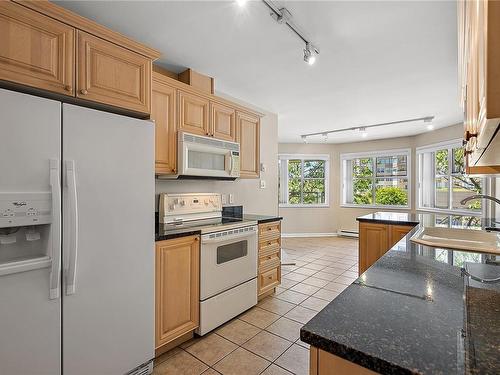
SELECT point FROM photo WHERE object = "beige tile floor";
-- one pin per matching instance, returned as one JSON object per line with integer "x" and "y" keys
{"x": 265, "y": 339}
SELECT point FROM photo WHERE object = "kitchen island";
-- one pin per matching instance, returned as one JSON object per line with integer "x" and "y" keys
{"x": 413, "y": 312}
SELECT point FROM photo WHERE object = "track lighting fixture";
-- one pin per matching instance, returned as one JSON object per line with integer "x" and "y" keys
{"x": 363, "y": 129}
{"x": 241, "y": 3}
{"x": 284, "y": 17}
{"x": 309, "y": 54}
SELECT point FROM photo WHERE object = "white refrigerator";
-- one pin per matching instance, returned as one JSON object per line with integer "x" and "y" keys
{"x": 76, "y": 239}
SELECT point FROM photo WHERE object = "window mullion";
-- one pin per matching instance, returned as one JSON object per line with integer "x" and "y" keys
{"x": 302, "y": 181}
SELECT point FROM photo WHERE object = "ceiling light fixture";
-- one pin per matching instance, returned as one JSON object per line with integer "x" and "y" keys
{"x": 241, "y": 3}
{"x": 325, "y": 137}
{"x": 304, "y": 138}
{"x": 309, "y": 54}
{"x": 363, "y": 129}
{"x": 283, "y": 16}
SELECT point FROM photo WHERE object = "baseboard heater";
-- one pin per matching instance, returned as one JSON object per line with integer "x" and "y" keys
{"x": 348, "y": 233}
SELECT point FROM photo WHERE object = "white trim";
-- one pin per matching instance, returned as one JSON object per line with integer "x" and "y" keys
{"x": 439, "y": 145}
{"x": 302, "y": 235}
{"x": 302, "y": 205}
{"x": 374, "y": 206}
{"x": 355, "y": 155}
{"x": 304, "y": 156}
{"x": 371, "y": 154}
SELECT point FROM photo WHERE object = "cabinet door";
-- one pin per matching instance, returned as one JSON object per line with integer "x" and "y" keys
{"x": 36, "y": 50}
{"x": 248, "y": 136}
{"x": 177, "y": 290}
{"x": 112, "y": 75}
{"x": 373, "y": 243}
{"x": 397, "y": 232}
{"x": 163, "y": 113}
{"x": 193, "y": 114}
{"x": 223, "y": 122}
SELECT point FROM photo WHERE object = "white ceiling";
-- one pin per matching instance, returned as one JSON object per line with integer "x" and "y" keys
{"x": 379, "y": 61}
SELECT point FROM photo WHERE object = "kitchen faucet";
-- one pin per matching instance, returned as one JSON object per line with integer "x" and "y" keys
{"x": 479, "y": 196}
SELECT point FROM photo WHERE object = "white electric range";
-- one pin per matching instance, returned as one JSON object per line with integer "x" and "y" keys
{"x": 228, "y": 254}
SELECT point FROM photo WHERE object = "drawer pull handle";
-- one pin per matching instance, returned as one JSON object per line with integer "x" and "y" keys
{"x": 269, "y": 243}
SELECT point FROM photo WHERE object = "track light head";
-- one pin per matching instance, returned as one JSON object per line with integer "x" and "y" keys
{"x": 241, "y": 3}
{"x": 363, "y": 132}
{"x": 310, "y": 54}
{"x": 428, "y": 119}
{"x": 304, "y": 138}
{"x": 325, "y": 137}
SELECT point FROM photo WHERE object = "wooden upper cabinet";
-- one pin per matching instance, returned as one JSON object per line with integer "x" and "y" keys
{"x": 193, "y": 113}
{"x": 163, "y": 100}
{"x": 177, "y": 289}
{"x": 112, "y": 75}
{"x": 223, "y": 121}
{"x": 248, "y": 136}
{"x": 36, "y": 50}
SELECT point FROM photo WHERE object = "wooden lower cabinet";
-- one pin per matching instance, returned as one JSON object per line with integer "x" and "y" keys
{"x": 177, "y": 288}
{"x": 324, "y": 363}
{"x": 36, "y": 50}
{"x": 376, "y": 239}
{"x": 269, "y": 258}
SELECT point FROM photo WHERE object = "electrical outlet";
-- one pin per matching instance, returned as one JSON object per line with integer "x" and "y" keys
{"x": 224, "y": 198}
{"x": 262, "y": 184}
{"x": 231, "y": 198}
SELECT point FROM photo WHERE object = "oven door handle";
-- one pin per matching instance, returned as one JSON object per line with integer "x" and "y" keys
{"x": 230, "y": 237}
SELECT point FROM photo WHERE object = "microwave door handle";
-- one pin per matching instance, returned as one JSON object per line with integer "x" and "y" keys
{"x": 230, "y": 171}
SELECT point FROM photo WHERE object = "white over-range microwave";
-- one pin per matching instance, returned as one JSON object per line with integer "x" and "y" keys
{"x": 206, "y": 157}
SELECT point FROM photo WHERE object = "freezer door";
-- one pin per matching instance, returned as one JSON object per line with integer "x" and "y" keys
{"x": 30, "y": 136}
{"x": 108, "y": 248}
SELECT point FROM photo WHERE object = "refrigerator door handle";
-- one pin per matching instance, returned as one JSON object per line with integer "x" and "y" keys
{"x": 70, "y": 268}
{"x": 55, "y": 228}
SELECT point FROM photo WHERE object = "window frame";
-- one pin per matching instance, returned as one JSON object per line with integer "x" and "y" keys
{"x": 284, "y": 181}
{"x": 449, "y": 145}
{"x": 373, "y": 154}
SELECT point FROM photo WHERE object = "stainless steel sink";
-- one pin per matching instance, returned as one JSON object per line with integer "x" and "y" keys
{"x": 458, "y": 239}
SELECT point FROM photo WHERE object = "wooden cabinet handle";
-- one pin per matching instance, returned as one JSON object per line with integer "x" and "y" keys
{"x": 269, "y": 243}
{"x": 68, "y": 88}
{"x": 173, "y": 169}
{"x": 83, "y": 92}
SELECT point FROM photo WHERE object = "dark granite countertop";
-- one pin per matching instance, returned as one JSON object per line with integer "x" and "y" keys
{"x": 413, "y": 312}
{"x": 262, "y": 218}
{"x": 397, "y": 218}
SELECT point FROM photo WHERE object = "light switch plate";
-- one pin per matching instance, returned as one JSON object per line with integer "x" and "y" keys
{"x": 231, "y": 198}
{"x": 262, "y": 184}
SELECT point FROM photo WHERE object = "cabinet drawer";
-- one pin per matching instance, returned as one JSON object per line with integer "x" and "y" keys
{"x": 269, "y": 279}
{"x": 36, "y": 50}
{"x": 113, "y": 75}
{"x": 269, "y": 261}
{"x": 269, "y": 231}
{"x": 270, "y": 245}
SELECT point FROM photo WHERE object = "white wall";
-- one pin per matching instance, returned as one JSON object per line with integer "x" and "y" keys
{"x": 247, "y": 192}
{"x": 335, "y": 218}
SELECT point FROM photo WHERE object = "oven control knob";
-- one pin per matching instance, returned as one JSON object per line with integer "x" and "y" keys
{"x": 183, "y": 202}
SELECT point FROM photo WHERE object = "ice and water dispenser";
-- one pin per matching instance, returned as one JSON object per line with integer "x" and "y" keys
{"x": 25, "y": 231}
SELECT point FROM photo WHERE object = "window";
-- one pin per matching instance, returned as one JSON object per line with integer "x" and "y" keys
{"x": 303, "y": 180}
{"x": 442, "y": 182}
{"x": 376, "y": 179}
